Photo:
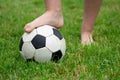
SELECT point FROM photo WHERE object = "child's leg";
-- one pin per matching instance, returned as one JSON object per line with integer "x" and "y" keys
{"x": 52, "y": 16}
{"x": 91, "y": 9}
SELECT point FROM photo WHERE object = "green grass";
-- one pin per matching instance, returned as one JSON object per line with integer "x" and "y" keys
{"x": 96, "y": 62}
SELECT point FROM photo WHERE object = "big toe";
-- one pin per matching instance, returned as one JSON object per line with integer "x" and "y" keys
{"x": 28, "y": 28}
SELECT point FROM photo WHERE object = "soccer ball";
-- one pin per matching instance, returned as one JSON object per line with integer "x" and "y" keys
{"x": 43, "y": 44}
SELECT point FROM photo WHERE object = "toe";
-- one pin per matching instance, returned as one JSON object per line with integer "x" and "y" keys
{"x": 28, "y": 28}
{"x": 87, "y": 39}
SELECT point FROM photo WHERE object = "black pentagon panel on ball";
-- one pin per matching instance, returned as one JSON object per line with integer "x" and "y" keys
{"x": 56, "y": 56}
{"x": 38, "y": 41}
{"x": 57, "y": 33}
{"x": 21, "y": 44}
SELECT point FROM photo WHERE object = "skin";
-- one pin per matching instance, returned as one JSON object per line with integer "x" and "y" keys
{"x": 53, "y": 16}
{"x": 91, "y": 9}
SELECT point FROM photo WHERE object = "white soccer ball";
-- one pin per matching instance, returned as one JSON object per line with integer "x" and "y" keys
{"x": 43, "y": 44}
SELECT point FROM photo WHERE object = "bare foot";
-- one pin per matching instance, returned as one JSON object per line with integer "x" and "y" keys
{"x": 86, "y": 38}
{"x": 48, "y": 18}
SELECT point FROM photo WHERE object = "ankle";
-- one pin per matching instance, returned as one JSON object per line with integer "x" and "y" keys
{"x": 86, "y": 32}
{"x": 87, "y": 27}
{"x": 57, "y": 15}
{"x": 54, "y": 13}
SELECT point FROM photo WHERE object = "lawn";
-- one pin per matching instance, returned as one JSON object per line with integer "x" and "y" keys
{"x": 100, "y": 61}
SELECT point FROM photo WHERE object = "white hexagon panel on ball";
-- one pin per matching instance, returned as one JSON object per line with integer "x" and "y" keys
{"x": 45, "y": 30}
{"x": 42, "y": 55}
{"x": 63, "y": 46}
{"x": 29, "y": 36}
{"x": 28, "y": 50}
{"x": 53, "y": 43}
